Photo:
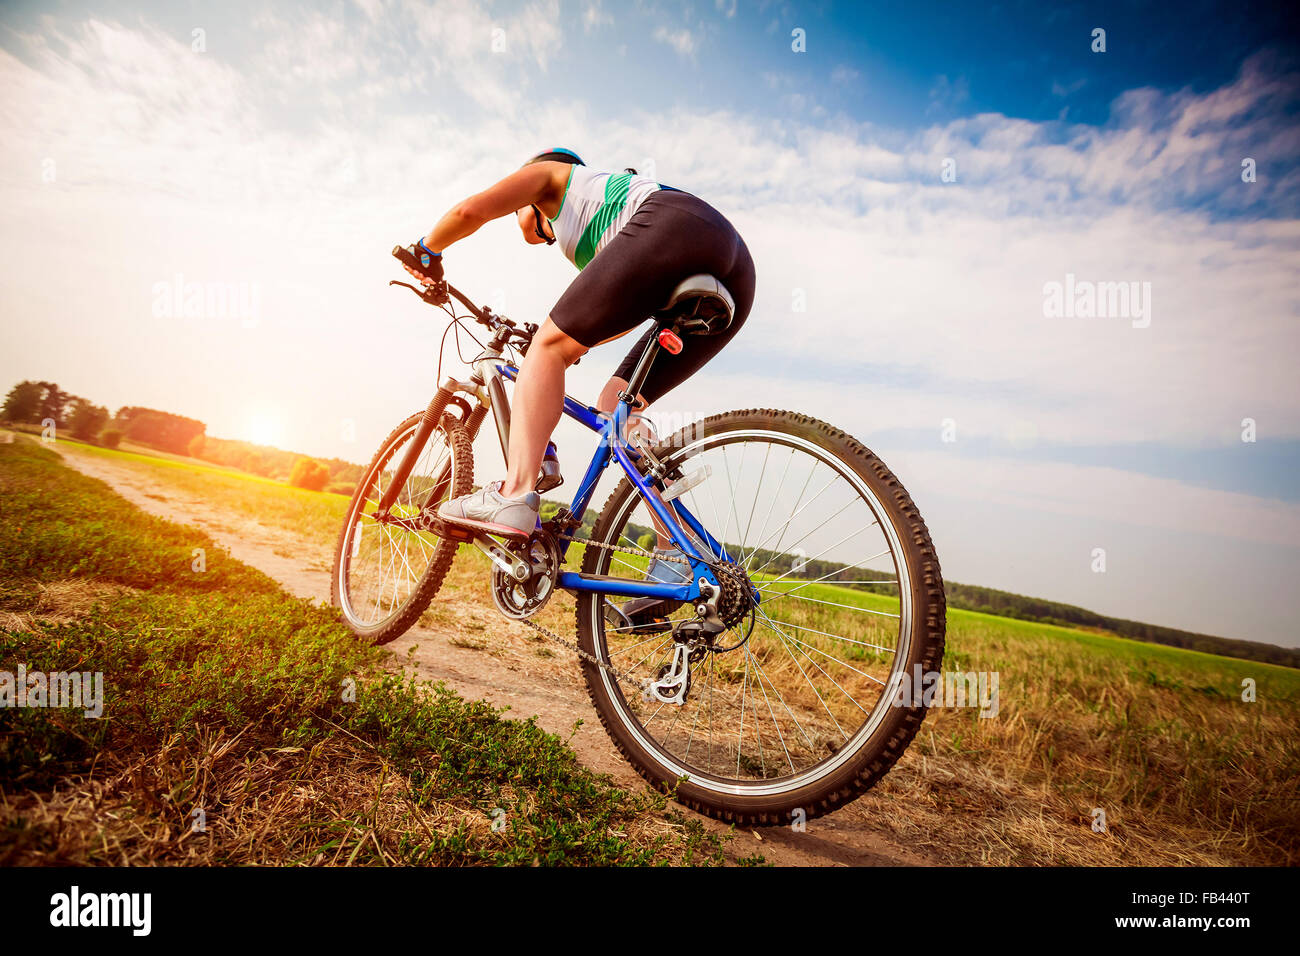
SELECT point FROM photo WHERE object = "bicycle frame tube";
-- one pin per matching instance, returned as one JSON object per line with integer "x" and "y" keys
{"x": 485, "y": 387}
{"x": 611, "y": 429}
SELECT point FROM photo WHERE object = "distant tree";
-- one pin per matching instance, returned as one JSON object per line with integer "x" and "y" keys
{"x": 86, "y": 419}
{"x": 310, "y": 474}
{"x": 149, "y": 426}
{"x": 54, "y": 404}
{"x": 252, "y": 461}
{"x": 110, "y": 437}
{"x": 341, "y": 470}
{"x": 195, "y": 447}
{"x": 23, "y": 403}
{"x": 341, "y": 488}
{"x": 646, "y": 542}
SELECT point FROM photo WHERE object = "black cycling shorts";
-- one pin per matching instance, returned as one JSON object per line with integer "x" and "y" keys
{"x": 672, "y": 236}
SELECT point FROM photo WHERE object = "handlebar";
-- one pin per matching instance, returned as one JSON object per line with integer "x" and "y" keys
{"x": 438, "y": 292}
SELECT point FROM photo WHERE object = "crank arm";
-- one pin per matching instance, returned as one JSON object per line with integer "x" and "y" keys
{"x": 503, "y": 559}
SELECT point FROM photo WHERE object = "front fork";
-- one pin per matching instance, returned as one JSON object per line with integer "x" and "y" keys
{"x": 428, "y": 422}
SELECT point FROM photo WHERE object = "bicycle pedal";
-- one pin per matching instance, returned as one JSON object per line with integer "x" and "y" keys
{"x": 547, "y": 482}
{"x": 451, "y": 532}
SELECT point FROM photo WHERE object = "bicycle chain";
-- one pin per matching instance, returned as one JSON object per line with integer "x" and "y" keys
{"x": 574, "y": 645}
{"x": 619, "y": 547}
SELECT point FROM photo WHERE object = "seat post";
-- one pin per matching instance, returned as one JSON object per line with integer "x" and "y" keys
{"x": 639, "y": 373}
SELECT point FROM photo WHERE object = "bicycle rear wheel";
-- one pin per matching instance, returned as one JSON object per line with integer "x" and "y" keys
{"x": 385, "y": 574}
{"x": 794, "y": 708}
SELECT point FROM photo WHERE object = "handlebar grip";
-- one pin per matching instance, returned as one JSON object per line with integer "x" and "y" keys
{"x": 404, "y": 256}
{"x": 435, "y": 293}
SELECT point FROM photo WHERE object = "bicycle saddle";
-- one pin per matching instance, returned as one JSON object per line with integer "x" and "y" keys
{"x": 700, "y": 305}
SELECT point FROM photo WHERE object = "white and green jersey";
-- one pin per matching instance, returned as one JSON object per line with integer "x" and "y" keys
{"x": 595, "y": 207}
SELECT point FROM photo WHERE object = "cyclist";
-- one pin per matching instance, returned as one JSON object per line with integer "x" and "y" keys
{"x": 633, "y": 240}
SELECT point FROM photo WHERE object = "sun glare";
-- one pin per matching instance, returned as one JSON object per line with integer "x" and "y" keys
{"x": 263, "y": 429}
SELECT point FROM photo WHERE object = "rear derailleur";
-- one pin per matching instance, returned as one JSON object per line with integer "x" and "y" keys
{"x": 694, "y": 638}
{"x": 673, "y": 682}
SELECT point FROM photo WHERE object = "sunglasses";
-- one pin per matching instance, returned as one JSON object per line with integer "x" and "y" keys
{"x": 537, "y": 227}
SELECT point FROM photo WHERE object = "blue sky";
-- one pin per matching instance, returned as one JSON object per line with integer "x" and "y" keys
{"x": 302, "y": 141}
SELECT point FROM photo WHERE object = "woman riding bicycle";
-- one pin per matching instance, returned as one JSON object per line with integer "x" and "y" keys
{"x": 752, "y": 676}
{"x": 634, "y": 240}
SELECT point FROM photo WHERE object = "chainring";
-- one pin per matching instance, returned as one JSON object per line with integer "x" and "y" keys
{"x": 517, "y": 599}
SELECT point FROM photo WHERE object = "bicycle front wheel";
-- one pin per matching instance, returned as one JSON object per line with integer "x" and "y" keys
{"x": 793, "y": 710}
{"x": 386, "y": 573}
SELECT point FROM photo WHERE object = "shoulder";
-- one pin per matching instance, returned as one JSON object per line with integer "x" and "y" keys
{"x": 564, "y": 175}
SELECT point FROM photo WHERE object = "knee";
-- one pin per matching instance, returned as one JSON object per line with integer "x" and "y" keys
{"x": 609, "y": 396}
{"x": 551, "y": 340}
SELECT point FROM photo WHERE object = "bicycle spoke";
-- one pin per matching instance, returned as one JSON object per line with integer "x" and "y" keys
{"x": 384, "y": 563}
{"x": 774, "y": 698}
{"x": 785, "y": 640}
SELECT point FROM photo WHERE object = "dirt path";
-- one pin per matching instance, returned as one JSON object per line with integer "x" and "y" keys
{"x": 534, "y": 684}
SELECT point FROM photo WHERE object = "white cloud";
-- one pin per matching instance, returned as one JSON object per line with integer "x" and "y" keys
{"x": 1065, "y": 89}
{"x": 594, "y": 15}
{"x": 175, "y": 161}
{"x": 683, "y": 41}
{"x": 948, "y": 94}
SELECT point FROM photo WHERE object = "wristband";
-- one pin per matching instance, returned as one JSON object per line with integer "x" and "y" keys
{"x": 420, "y": 243}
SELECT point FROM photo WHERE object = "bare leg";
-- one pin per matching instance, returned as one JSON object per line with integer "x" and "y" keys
{"x": 609, "y": 395}
{"x": 537, "y": 405}
{"x": 608, "y": 399}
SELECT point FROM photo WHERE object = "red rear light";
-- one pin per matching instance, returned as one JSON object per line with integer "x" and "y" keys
{"x": 669, "y": 340}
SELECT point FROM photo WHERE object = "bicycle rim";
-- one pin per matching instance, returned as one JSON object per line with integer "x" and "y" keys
{"x": 808, "y": 689}
{"x": 382, "y": 566}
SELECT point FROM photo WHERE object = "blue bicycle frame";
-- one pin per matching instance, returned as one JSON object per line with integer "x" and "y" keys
{"x": 673, "y": 515}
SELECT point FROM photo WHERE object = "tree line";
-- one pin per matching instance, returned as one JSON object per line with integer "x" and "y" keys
{"x": 1005, "y": 604}
{"x": 315, "y": 474}
{"x": 971, "y": 597}
{"x": 42, "y": 403}
{"x": 37, "y": 404}
{"x": 45, "y": 403}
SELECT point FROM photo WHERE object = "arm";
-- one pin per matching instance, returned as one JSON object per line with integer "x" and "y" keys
{"x": 531, "y": 184}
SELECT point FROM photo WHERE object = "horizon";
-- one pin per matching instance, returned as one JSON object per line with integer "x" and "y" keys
{"x": 917, "y": 187}
{"x": 591, "y": 510}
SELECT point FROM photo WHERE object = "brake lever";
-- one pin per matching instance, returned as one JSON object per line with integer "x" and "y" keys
{"x": 435, "y": 294}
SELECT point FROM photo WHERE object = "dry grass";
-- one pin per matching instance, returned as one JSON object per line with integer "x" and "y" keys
{"x": 1157, "y": 737}
{"x": 58, "y": 602}
{"x": 338, "y": 803}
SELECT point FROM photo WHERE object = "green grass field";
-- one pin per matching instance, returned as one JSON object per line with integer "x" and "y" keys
{"x": 224, "y": 695}
{"x": 1157, "y": 737}
{"x": 314, "y": 515}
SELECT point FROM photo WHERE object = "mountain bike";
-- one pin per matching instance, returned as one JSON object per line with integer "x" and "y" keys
{"x": 760, "y": 687}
